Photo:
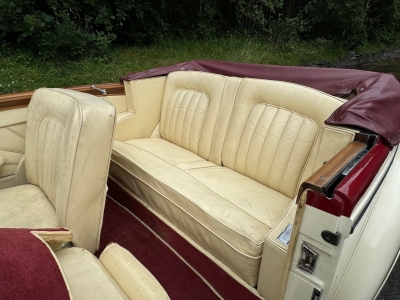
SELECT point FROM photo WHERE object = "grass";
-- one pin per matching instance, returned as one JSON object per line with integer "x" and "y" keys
{"x": 21, "y": 71}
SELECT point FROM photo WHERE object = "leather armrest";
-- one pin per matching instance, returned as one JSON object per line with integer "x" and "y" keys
{"x": 329, "y": 172}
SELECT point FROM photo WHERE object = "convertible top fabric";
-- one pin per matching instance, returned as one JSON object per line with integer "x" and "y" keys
{"x": 375, "y": 107}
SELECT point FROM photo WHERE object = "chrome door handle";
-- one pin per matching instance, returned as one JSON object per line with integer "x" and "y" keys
{"x": 102, "y": 91}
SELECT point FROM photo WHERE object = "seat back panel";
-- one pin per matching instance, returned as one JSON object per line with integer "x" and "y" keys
{"x": 68, "y": 148}
{"x": 273, "y": 128}
{"x": 190, "y": 109}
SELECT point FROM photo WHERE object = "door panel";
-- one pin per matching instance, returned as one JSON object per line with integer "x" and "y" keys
{"x": 12, "y": 144}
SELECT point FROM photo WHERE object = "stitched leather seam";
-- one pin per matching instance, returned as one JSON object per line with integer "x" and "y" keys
{"x": 10, "y": 150}
{"x": 265, "y": 138}
{"x": 303, "y": 86}
{"x": 105, "y": 188}
{"x": 308, "y": 158}
{"x": 229, "y": 122}
{"x": 192, "y": 121}
{"x": 251, "y": 138}
{"x": 291, "y": 153}
{"x": 175, "y": 204}
{"x": 201, "y": 159}
{"x": 74, "y": 156}
{"x": 202, "y": 185}
{"x": 15, "y": 132}
{"x": 6, "y": 178}
{"x": 36, "y": 157}
{"x": 177, "y": 104}
{"x": 172, "y": 110}
{"x": 193, "y": 202}
{"x": 158, "y": 214}
{"x": 250, "y": 215}
{"x": 183, "y": 120}
{"x": 217, "y": 119}
{"x": 126, "y": 117}
{"x": 277, "y": 145}
{"x": 241, "y": 137}
{"x": 202, "y": 126}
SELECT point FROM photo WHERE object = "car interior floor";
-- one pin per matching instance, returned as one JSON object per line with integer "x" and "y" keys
{"x": 178, "y": 279}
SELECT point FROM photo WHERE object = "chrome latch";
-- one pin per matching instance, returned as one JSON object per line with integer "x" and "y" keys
{"x": 102, "y": 91}
{"x": 308, "y": 259}
{"x": 316, "y": 295}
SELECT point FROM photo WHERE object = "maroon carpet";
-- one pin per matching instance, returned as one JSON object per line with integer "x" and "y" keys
{"x": 176, "y": 277}
{"x": 27, "y": 268}
{"x": 179, "y": 281}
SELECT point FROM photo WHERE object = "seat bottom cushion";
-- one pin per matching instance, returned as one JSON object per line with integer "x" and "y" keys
{"x": 226, "y": 213}
{"x": 26, "y": 206}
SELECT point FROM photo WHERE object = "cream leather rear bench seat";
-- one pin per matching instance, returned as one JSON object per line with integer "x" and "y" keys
{"x": 227, "y": 159}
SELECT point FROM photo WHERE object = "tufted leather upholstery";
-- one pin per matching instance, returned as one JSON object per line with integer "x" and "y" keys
{"x": 273, "y": 127}
{"x": 226, "y": 184}
{"x": 189, "y": 111}
{"x": 68, "y": 146}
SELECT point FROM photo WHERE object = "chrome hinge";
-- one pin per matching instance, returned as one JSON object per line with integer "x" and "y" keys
{"x": 308, "y": 259}
{"x": 102, "y": 91}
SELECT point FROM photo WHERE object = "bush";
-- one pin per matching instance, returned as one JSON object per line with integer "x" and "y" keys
{"x": 72, "y": 28}
{"x": 353, "y": 22}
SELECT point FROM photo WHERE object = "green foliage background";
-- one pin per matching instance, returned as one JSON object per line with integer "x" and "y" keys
{"x": 73, "y": 28}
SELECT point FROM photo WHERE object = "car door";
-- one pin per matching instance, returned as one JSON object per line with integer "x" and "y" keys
{"x": 12, "y": 147}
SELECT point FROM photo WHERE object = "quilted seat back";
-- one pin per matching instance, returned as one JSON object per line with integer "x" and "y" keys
{"x": 190, "y": 109}
{"x": 68, "y": 147}
{"x": 273, "y": 130}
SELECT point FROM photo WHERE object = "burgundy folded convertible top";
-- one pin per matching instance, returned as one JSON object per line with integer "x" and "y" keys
{"x": 376, "y": 106}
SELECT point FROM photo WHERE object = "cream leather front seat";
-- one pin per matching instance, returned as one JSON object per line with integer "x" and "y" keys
{"x": 68, "y": 147}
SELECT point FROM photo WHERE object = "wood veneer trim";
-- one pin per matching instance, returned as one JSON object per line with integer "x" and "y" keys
{"x": 328, "y": 171}
{"x": 17, "y": 100}
{"x": 292, "y": 243}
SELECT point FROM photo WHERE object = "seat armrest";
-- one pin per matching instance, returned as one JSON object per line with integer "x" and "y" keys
{"x": 130, "y": 274}
{"x": 274, "y": 256}
{"x": 329, "y": 174}
{"x": 143, "y": 109}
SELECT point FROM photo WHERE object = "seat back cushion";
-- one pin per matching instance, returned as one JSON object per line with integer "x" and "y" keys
{"x": 273, "y": 129}
{"x": 68, "y": 147}
{"x": 191, "y": 104}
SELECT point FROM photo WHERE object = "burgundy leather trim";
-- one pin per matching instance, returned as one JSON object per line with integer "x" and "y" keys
{"x": 349, "y": 191}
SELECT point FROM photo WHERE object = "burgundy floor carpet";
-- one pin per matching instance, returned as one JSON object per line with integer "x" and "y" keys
{"x": 28, "y": 270}
{"x": 175, "y": 276}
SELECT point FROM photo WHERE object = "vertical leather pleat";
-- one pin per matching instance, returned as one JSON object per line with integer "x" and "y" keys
{"x": 49, "y": 145}
{"x": 184, "y": 118}
{"x": 274, "y": 146}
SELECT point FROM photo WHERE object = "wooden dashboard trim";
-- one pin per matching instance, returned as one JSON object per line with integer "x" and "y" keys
{"x": 17, "y": 100}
